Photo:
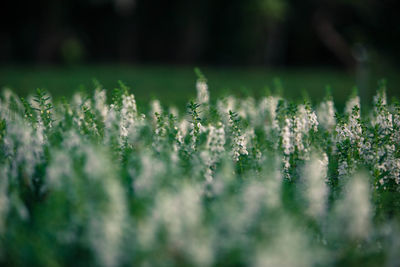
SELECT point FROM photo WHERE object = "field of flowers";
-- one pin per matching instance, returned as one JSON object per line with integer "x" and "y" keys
{"x": 91, "y": 181}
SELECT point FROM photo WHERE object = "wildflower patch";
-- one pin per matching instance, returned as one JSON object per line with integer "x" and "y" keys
{"x": 226, "y": 182}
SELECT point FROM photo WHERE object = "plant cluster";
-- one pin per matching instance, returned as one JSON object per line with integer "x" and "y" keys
{"x": 234, "y": 182}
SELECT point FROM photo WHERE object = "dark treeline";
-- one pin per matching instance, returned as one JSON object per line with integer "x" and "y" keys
{"x": 221, "y": 32}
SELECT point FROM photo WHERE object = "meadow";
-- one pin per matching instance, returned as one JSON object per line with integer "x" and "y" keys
{"x": 96, "y": 179}
{"x": 173, "y": 85}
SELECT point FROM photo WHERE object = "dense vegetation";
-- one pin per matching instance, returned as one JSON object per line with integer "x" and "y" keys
{"x": 229, "y": 182}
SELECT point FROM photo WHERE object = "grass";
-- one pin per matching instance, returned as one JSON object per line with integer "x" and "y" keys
{"x": 174, "y": 84}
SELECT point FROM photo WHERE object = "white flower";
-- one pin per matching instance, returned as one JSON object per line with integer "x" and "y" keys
{"x": 128, "y": 114}
{"x": 267, "y": 109}
{"x": 354, "y": 210}
{"x": 287, "y": 137}
{"x": 152, "y": 169}
{"x": 248, "y": 109}
{"x": 100, "y": 102}
{"x": 326, "y": 115}
{"x": 215, "y": 147}
{"x": 180, "y": 213}
{"x": 216, "y": 139}
{"x": 224, "y": 106}
{"x": 155, "y": 107}
{"x": 239, "y": 145}
{"x": 316, "y": 190}
{"x": 203, "y": 96}
{"x": 107, "y": 228}
{"x": 174, "y": 111}
{"x": 351, "y": 103}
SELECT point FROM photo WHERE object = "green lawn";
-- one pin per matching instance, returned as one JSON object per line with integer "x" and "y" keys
{"x": 174, "y": 85}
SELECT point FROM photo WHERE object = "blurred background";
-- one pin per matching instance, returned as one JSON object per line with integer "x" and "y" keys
{"x": 241, "y": 46}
